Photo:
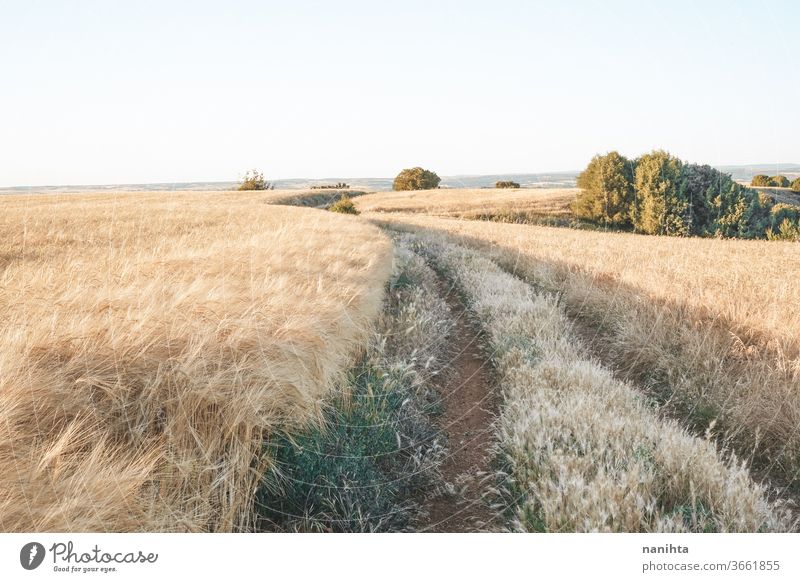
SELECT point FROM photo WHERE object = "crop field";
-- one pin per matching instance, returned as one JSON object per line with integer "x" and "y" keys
{"x": 486, "y": 203}
{"x": 230, "y": 361}
{"x": 150, "y": 343}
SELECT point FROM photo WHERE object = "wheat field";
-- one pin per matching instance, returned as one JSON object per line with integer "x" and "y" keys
{"x": 471, "y": 203}
{"x": 152, "y": 341}
{"x": 709, "y": 327}
{"x": 157, "y": 348}
{"x": 581, "y": 450}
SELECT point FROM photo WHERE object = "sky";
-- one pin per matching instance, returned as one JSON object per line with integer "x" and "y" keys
{"x": 103, "y": 92}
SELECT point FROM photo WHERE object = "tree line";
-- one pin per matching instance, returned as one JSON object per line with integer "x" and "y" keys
{"x": 764, "y": 181}
{"x": 657, "y": 193}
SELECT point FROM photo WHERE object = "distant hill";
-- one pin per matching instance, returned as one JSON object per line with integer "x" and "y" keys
{"x": 746, "y": 173}
{"x": 540, "y": 180}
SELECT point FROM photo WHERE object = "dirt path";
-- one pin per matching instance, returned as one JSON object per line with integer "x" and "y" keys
{"x": 469, "y": 407}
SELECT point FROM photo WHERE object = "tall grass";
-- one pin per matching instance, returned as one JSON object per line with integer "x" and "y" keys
{"x": 150, "y": 342}
{"x": 468, "y": 203}
{"x": 710, "y": 328}
{"x": 379, "y": 449}
{"x": 584, "y": 451}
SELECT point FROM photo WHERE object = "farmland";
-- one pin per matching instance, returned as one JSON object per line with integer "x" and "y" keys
{"x": 228, "y": 361}
{"x": 150, "y": 342}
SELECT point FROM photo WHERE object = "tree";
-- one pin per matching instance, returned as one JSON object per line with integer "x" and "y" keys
{"x": 506, "y": 184}
{"x": 254, "y": 180}
{"x": 738, "y": 211}
{"x": 416, "y": 179}
{"x": 796, "y": 185}
{"x": 606, "y": 190}
{"x": 779, "y": 182}
{"x": 784, "y": 213}
{"x": 660, "y": 206}
{"x": 698, "y": 183}
{"x": 786, "y": 231}
{"x": 760, "y": 180}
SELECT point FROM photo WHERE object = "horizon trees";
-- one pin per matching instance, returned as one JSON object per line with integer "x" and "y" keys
{"x": 416, "y": 179}
{"x": 764, "y": 181}
{"x": 660, "y": 194}
{"x": 608, "y": 183}
{"x": 254, "y": 180}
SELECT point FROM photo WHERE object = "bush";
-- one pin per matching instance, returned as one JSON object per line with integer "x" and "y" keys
{"x": 607, "y": 190}
{"x": 787, "y": 230}
{"x": 661, "y": 207}
{"x": 660, "y": 194}
{"x": 416, "y": 179}
{"x": 760, "y": 180}
{"x": 779, "y": 182}
{"x": 254, "y": 180}
{"x": 506, "y": 184}
{"x": 337, "y": 186}
{"x": 344, "y": 205}
{"x": 796, "y": 185}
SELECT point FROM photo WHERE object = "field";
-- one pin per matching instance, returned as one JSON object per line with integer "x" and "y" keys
{"x": 151, "y": 342}
{"x": 221, "y": 361}
{"x": 486, "y": 203}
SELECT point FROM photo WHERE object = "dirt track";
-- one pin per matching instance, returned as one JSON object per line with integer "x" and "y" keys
{"x": 469, "y": 406}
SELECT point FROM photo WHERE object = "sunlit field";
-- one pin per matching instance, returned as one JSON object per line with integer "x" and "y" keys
{"x": 151, "y": 342}
{"x": 230, "y": 361}
{"x": 707, "y": 327}
{"x": 472, "y": 203}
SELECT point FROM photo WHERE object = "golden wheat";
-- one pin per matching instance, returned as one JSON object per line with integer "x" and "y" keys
{"x": 151, "y": 341}
{"x": 584, "y": 451}
{"x": 469, "y": 203}
{"x": 710, "y": 325}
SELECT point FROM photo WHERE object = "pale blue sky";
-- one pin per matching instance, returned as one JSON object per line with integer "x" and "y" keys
{"x": 168, "y": 91}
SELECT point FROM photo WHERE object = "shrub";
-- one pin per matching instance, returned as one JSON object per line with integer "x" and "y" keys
{"x": 698, "y": 185}
{"x": 784, "y": 222}
{"x": 779, "y": 182}
{"x": 660, "y": 194}
{"x": 506, "y": 184}
{"x": 254, "y": 180}
{"x": 660, "y": 207}
{"x": 344, "y": 205}
{"x": 787, "y": 230}
{"x": 795, "y": 186}
{"x": 760, "y": 180}
{"x": 416, "y": 179}
{"x": 607, "y": 190}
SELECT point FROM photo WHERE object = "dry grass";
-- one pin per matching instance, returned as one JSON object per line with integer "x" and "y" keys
{"x": 151, "y": 340}
{"x": 584, "y": 451}
{"x": 710, "y": 327}
{"x": 472, "y": 203}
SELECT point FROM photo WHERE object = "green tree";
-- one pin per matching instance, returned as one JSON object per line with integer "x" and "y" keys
{"x": 506, "y": 184}
{"x": 660, "y": 206}
{"x": 696, "y": 183}
{"x": 416, "y": 179}
{"x": 781, "y": 213}
{"x": 606, "y": 190}
{"x": 738, "y": 211}
{"x": 760, "y": 180}
{"x": 795, "y": 185}
{"x": 254, "y": 180}
{"x": 779, "y": 182}
{"x": 787, "y": 230}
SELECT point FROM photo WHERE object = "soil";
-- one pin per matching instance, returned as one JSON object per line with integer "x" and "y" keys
{"x": 469, "y": 404}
